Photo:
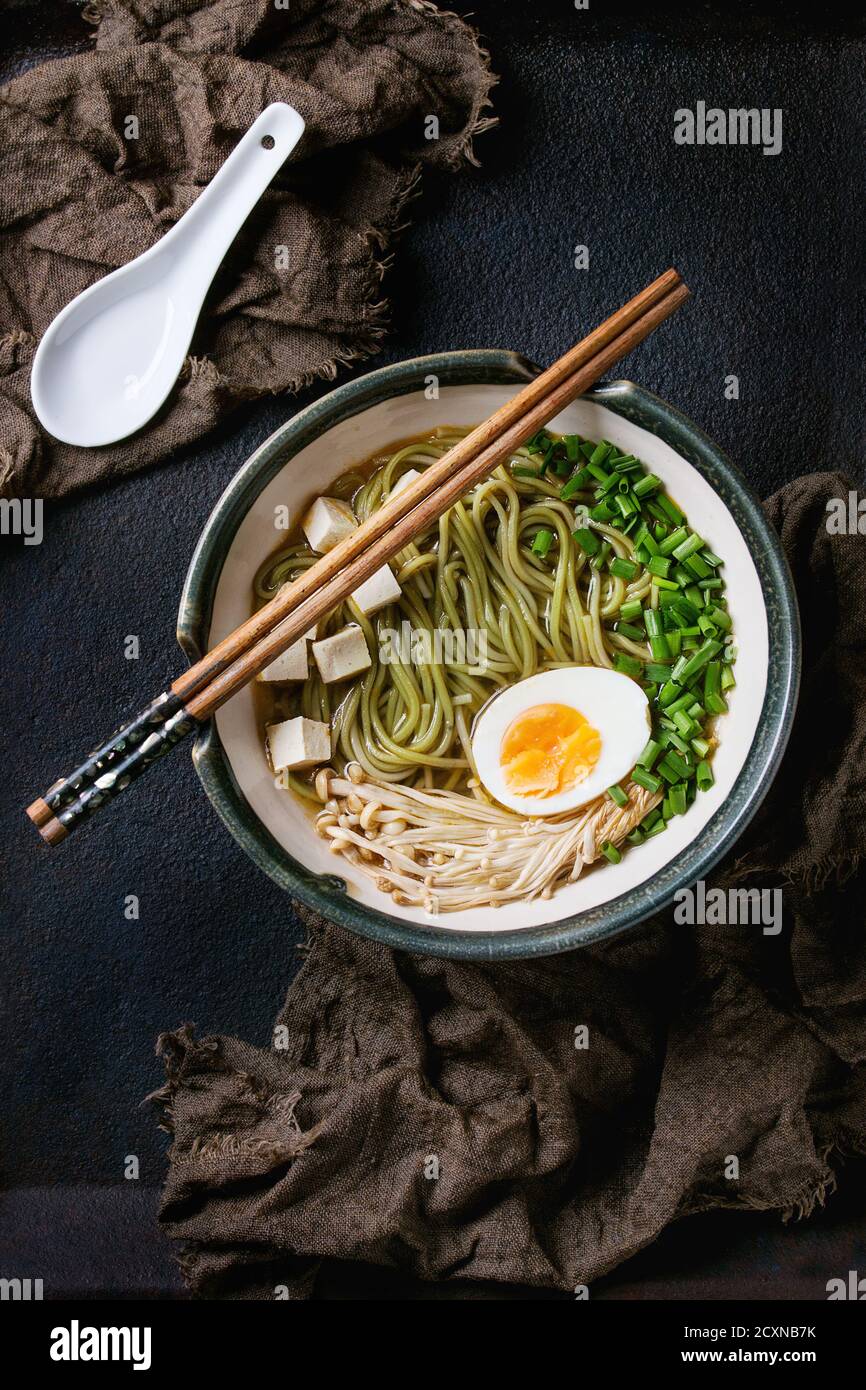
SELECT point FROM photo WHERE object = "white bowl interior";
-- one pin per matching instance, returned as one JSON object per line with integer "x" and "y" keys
{"x": 310, "y": 472}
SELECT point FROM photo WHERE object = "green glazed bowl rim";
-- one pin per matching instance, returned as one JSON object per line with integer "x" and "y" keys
{"x": 326, "y": 894}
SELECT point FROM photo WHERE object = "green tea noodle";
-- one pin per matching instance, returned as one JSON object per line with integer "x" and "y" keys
{"x": 411, "y": 811}
{"x": 472, "y": 572}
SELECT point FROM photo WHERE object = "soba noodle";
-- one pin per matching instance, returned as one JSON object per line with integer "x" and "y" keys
{"x": 486, "y": 604}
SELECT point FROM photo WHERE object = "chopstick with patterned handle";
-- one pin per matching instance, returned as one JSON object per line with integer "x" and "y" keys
{"x": 235, "y": 661}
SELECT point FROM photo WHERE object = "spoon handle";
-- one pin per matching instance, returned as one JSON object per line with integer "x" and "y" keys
{"x": 219, "y": 212}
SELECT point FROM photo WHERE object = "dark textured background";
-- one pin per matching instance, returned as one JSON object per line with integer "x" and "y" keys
{"x": 772, "y": 249}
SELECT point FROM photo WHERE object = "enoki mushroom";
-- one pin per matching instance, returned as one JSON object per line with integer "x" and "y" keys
{"x": 444, "y": 851}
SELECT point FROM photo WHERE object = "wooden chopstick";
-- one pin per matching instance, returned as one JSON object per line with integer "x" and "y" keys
{"x": 508, "y": 416}
{"x": 236, "y": 660}
{"x": 458, "y": 481}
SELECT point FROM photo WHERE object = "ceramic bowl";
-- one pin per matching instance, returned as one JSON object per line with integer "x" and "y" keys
{"x": 364, "y": 417}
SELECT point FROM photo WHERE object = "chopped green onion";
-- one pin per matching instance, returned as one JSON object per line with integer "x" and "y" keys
{"x": 649, "y": 754}
{"x": 720, "y": 617}
{"x": 610, "y": 852}
{"x": 674, "y": 740}
{"x": 623, "y": 569}
{"x": 685, "y": 724}
{"x": 667, "y": 770}
{"x": 695, "y": 565}
{"x": 627, "y": 665}
{"x": 632, "y": 609}
{"x": 645, "y": 779}
{"x": 653, "y": 509}
{"x": 670, "y": 509}
{"x": 688, "y": 547}
{"x": 648, "y": 483}
{"x": 629, "y": 630}
{"x": 681, "y": 703}
{"x": 669, "y": 545}
{"x": 687, "y": 667}
{"x": 658, "y": 672}
{"x": 712, "y": 678}
{"x": 704, "y": 776}
{"x": 542, "y": 542}
{"x": 618, "y": 795}
{"x": 598, "y": 560}
{"x": 575, "y": 484}
{"x": 627, "y": 506}
{"x": 600, "y": 474}
{"x": 603, "y": 512}
{"x": 685, "y": 611}
{"x": 644, "y": 537}
{"x": 587, "y": 540}
{"x": 658, "y": 565}
{"x": 675, "y": 764}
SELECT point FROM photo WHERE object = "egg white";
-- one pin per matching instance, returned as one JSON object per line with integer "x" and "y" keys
{"x": 613, "y": 703}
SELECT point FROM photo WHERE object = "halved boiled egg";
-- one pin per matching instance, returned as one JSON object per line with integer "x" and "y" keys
{"x": 559, "y": 739}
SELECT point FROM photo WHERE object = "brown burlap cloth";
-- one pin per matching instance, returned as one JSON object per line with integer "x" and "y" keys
{"x": 554, "y": 1164}
{"x": 84, "y": 190}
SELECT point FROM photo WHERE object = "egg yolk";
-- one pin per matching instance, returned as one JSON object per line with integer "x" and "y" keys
{"x": 548, "y": 749}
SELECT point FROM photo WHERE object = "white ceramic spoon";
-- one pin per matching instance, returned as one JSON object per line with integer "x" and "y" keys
{"x": 109, "y": 359}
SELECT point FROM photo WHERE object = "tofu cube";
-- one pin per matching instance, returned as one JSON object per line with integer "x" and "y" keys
{"x": 328, "y": 522}
{"x": 408, "y": 477}
{"x": 381, "y": 588}
{"x": 343, "y": 655}
{"x": 298, "y": 743}
{"x": 291, "y": 666}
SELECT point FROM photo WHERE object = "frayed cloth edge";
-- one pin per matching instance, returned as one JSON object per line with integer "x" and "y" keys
{"x": 179, "y": 1050}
